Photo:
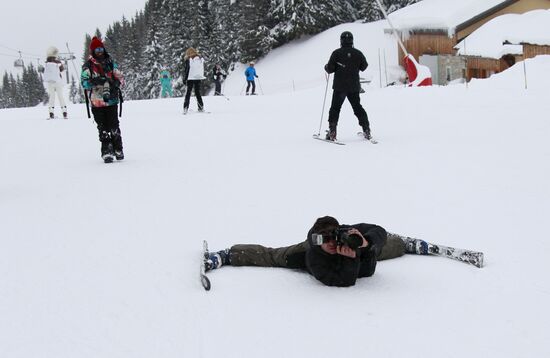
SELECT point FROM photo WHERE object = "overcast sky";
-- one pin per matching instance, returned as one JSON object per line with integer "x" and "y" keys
{"x": 33, "y": 25}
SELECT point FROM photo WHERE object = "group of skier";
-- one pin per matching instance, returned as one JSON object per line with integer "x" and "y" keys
{"x": 102, "y": 80}
{"x": 334, "y": 254}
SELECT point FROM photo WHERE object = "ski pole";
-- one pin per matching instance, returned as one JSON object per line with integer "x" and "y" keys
{"x": 260, "y": 85}
{"x": 324, "y": 101}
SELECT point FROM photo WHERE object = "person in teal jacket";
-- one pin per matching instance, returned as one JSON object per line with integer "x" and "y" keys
{"x": 166, "y": 83}
{"x": 250, "y": 74}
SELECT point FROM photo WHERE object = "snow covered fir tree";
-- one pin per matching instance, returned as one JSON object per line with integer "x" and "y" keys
{"x": 25, "y": 90}
{"x": 224, "y": 31}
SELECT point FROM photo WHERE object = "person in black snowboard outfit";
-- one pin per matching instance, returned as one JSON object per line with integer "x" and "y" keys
{"x": 345, "y": 63}
{"x": 326, "y": 254}
{"x": 102, "y": 79}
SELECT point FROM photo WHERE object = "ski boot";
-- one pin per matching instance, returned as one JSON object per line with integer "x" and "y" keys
{"x": 107, "y": 151}
{"x": 216, "y": 260}
{"x": 416, "y": 246}
{"x": 51, "y": 115}
{"x": 185, "y": 110}
{"x": 201, "y": 109}
{"x": 366, "y": 133}
{"x": 108, "y": 155}
{"x": 331, "y": 134}
{"x": 119, "y": 154}
{"x": 117, "y": 144}
{"x": 64, "y": 109}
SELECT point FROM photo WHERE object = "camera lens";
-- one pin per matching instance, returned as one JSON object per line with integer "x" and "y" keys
{"x": 351, "y": 240}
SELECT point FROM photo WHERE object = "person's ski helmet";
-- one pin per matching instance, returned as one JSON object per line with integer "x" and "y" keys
{"x": 346, "y": 38}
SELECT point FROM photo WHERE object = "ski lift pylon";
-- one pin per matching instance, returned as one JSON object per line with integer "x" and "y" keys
{"x": 39, "y": 68}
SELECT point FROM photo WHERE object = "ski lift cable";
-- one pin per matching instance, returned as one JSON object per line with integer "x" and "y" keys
{"x": 17, "y": 56}
{"x": 18, "y": 51}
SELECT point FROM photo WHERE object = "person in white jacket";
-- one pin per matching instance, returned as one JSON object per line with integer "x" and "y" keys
{"x": 54, "y": 81}
{"x": 193, "y": 75}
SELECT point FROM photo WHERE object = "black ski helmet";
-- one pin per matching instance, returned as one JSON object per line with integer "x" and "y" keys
{"x": 346, "y": 39}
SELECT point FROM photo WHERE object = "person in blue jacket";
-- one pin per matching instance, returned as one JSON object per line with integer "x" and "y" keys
{"x": 250, "y": 74}
{"x": 166, "y": 84}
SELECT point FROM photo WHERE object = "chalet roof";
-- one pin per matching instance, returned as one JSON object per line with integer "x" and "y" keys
{"x": 504, "y": 34}
{"x": 445, "y": 15}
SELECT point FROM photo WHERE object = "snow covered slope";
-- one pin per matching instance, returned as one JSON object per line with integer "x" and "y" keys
{"x": 102, "y": 260}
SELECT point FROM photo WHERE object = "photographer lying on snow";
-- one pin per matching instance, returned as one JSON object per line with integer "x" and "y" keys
{"x": 335, "y": 254}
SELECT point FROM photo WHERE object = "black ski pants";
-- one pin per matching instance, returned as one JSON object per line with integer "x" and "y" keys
{"x": 218, "y": 90}
{"x": 193, "y": 84}
{"x": 108, "y": 127}
{"x": 251, "y": 83}
{"x": 355, "y": 101}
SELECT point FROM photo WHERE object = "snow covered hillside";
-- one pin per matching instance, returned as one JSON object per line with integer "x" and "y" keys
{"x": 102, "y": 260}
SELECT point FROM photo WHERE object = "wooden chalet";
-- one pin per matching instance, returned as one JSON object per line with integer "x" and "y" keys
{"x": 434, "y": 40}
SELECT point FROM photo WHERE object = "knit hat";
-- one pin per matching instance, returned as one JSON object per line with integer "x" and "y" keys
{"x": 95, "y": 44}
{"x": 325, "y": 225}
{"x": 52, "y": 51}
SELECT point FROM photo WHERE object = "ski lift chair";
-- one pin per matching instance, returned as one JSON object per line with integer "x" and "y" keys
{"x": 19, "y": 63}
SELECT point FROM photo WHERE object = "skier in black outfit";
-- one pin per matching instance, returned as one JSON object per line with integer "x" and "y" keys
{"x": 219, "y": 75}
{"x": 333, "y": 262}
{"x": 345, "y": 63}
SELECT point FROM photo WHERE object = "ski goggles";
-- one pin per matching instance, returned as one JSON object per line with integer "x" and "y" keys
{"x": 99, "y": 49}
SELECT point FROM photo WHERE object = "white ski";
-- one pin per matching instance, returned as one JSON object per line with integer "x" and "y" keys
{"x": 470, "y": 257}
{"x": 372, "y": 140}
{"x": 317, "y": 136}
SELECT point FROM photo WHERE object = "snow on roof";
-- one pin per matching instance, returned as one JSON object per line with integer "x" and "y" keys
{"x": 440, "y": 14}
{"x": 532, "y": 27}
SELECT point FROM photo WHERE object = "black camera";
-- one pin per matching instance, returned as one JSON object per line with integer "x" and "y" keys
{"x": 106, "y": 91}
{"x": 342, "y": 237}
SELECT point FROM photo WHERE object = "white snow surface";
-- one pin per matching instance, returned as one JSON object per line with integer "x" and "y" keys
{"x": 439, "y": 14}
{"x": 489, "y": 40}
{"x": 102, "y": 260}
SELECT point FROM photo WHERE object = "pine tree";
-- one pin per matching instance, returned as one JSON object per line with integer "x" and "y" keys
{"x": 16, "y": 91}
{"x": 224, "y": 31}
{"x": 6, "y": 91}
{"x": 178, "y": 39}
{"x": 74, "y": 93}
{"x": 86, "y": 52}
{"x": 154, "y": 51}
